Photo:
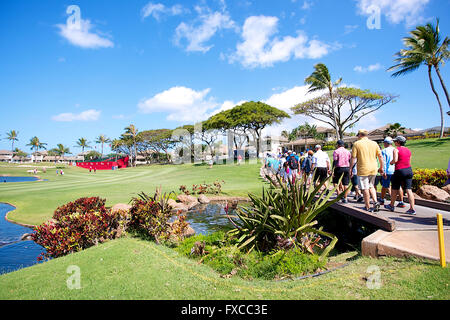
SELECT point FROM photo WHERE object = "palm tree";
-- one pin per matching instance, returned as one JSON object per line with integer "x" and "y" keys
{"x": 394, "y": 129}
{"x": 12, "y": 136}
{"x": 424, "y": 47}
{"x": 61, "y": 150}
{"x": 82, "y": 143}
{"x": 320, "y": 79}
{"x": 102, "y": 139}
{"x": 132, "y": 132}
{"x": 36, "y": 144}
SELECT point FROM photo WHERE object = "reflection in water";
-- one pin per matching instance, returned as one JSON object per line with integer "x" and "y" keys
{"x": 209, "y": 218}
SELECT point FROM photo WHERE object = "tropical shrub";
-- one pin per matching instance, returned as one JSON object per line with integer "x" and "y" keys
{"x": 151, "y": 216}
{"x": 283, "y": 214}
{"x": 73, "y": 229}
{"x": 82, "y": 205}
{"x": 433, "y": 177}
{"x": 219, "y": 253}
{"x": 204, "y": 188}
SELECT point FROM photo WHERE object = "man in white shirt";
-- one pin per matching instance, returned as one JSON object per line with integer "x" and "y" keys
{"x": 320, "y": 165}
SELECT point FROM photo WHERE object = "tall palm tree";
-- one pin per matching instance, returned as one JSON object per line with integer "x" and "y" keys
{"x": 12, "y": 136}
{"x": 61, "y": 150}
{"x": 36, "y": 144}
{"x": 102, "y": 139}
{"x": 424, "y": 47}
{"x": 132, "y": 132}
{"x": 320, "y": 79}
{"x": 83, "y": 143}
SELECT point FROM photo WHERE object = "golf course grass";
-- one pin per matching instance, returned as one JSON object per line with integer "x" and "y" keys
{"x": 130, "y": 268}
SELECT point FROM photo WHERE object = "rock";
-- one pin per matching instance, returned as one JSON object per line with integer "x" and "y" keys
{"x": 186, "y": 199}
{"x": 121, "y": 206}
{"x": 189, "y": 232}
{"x": 433, "y": 193}
{"x": 203, "y": 199}
{"x": 178, "y": 206}
{"x": 26, "y": 236}
{"x": 447, "y": 189}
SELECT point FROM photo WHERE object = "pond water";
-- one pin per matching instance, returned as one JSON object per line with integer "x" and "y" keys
{"x": 209, "y": 218}
{"x": 17, "y": 179}
{"x": 14, "y": 253}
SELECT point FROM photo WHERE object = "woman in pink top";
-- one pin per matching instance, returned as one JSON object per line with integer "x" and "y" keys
{"x": 403, "y": 174}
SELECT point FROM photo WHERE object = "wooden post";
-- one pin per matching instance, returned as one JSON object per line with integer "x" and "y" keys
{"x": 440, "y": 226}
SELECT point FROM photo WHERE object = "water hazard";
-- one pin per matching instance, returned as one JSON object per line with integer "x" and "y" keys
{"x": 14, "y": 253}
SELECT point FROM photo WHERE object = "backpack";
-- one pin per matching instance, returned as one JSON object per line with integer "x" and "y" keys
{"x": 293, "y": 163}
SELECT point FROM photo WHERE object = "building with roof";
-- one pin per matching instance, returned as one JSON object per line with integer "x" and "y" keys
{"x": 6, "y": 155}
{"x": 379, "y": 134}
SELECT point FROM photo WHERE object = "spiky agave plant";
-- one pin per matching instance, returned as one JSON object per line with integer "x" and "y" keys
{"x": 285, "y": 210}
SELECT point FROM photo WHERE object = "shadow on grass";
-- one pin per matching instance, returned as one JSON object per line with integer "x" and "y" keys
{"x": 430, "y": 143}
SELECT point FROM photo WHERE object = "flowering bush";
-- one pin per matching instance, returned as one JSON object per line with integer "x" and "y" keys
{"x": 204, "y": 188}
{"x": 433, "y": 177}
{"x": 151, "y": 216}
{"x": 82, "y": 205}
{"x": 77, "y": 230}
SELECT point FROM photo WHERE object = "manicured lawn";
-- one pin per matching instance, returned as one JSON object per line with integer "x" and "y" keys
{"x": 36, "y": 201}
{"x": 129, "y": 268}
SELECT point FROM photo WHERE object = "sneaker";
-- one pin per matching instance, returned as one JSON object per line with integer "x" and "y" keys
{"x": 376, "y": 207}
{"x": 344, "y": 200}
{"x": 389, "y": 207}
{"x": 381, "y": 202}
{"x": 371, "y": 210}
{"x": 411, "y": 212}
{"x": 360, "y": 199}
{"x": 401, "y": 205}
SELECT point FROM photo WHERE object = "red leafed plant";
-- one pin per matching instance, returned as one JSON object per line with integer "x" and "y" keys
{"x": 79, "y": 225}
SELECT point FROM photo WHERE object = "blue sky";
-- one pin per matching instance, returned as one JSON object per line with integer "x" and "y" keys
{"x": 161, "y": 64}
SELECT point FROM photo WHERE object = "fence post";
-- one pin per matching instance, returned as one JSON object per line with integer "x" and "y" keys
{"x": 440, "y": 226}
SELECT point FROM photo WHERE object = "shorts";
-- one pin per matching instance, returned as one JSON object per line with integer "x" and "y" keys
{"x": 321, "y": 174}
{"x": 343, "y": 172}
{"x": 355, "y": 182}
{"x": 402, "y": 178}
{"x": 377, "y": 181}
{"x": 386, "y": 183}
{"x": 366, "y": 182}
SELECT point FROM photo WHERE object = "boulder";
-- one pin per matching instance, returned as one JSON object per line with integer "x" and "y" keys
{"x": 203, "y": 199}
{"x": 433, "y": 193}
{"x": 447, "y": 189}
{"x": 177, "y": 206}
{"x": 121, "y": 206}
{"x": 186, "y": 199}
{"x": 26, "y": 236}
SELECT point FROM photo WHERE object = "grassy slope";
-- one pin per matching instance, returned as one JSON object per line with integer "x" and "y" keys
{"x": 36, "y": 201}
{"x": 134, "y": 269}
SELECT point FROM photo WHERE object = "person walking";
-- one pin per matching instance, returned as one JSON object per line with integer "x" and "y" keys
{"x": 293, "y": 161}
{"x": 307, "y": 166}
{"x": 403, "y": 174}
{"x": 448, "y": 173}
{"x": 341, "y": 172}
{"x": 366, "y": 152}
{"x": 388, "y": 154}
{"x": 355, "y": 184}
{"x": 321, "y": 165}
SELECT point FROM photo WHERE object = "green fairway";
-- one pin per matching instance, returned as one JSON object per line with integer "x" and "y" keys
{"x": 135, "y": 269}
{"x": 36, "y": 201}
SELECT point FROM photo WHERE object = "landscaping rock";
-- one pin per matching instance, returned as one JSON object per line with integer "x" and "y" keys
{"x": 203, "y": 199}
{"x": 177, "y": 206}
{"x": 186, "y": 199}
{"x": 26, "y": 236}
{"x": 433, "y": 193}
{"x": 121, "y": 206}
{"x": 447, "y": 189}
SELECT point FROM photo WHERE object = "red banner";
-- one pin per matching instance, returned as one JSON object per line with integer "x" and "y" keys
{"x": 105, "y": 165}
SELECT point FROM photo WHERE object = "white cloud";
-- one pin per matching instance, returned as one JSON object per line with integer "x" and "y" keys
{"x": 156, "y": 10}
{"x": 209, "y": 24}
{"x": 88, "y": 115}
{"x": 81, "y": 35}
{"x": 182, "y": 104}
{"x": 350, "y": 28}
{"x": 399, "y": 11}
{"x": 258, "y": 50}
{"x": 306, "y": 5}
{"x": 370, "y": 68}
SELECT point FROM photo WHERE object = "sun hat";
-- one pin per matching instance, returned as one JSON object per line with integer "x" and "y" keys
{"x": 363, "y": 132}
{"x": 388, "y": 140}
{"x": 400, "y": 139}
